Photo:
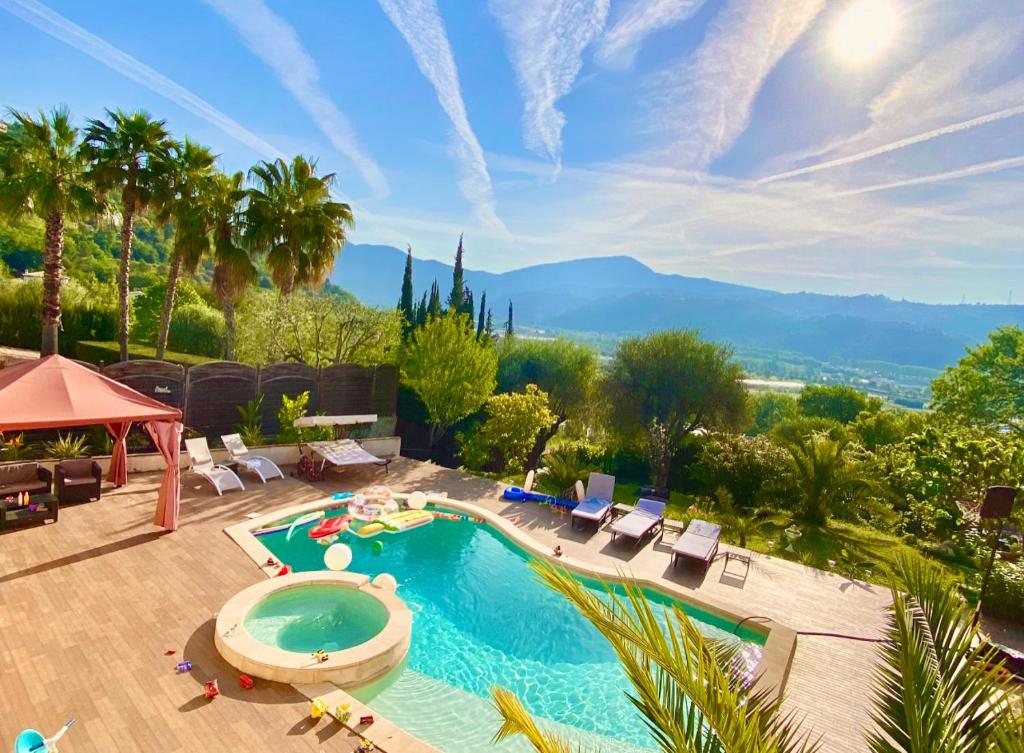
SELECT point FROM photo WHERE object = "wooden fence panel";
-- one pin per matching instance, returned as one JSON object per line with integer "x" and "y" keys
{"x": 385, "y": 390}
{"x": 214, "y": 393}
{"x": 346, "y": 390}
{"x": 160, "y": 380}
{"x": 290, "y": 379}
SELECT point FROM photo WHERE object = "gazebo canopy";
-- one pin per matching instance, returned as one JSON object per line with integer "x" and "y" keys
{"x": 55, "y": 392}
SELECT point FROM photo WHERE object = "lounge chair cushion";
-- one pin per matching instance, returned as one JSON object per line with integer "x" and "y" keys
{"x": 592, "y": 508}
{"x": 699, "y": 541}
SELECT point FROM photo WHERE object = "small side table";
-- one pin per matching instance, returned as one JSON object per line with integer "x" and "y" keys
{"x": 46, "y": 506}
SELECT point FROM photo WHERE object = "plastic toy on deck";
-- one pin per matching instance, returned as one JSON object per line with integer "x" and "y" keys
{"x": 516, "y": 494}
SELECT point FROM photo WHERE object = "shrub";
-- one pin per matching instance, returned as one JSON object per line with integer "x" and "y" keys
{"x": 503, "y": 440}
{"x": 292, "y": 408}
{"x": 561, "y": 468}
{"x": 67, "y": 446}
{"x": 251, "y": 427}
{"x": 836, "y": 401}
{"x": 1005, "y": 595}
{"x": 85, "y": 315}
{"x": 149, "y": 307}
{"x": 197, "y": 328}
{"x": 752, "y": 469}
{"x": 770, "y": 408}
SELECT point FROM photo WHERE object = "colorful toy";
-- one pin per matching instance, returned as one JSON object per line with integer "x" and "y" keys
{"x": 286, "y": 570}
{"x": 378, "y": 547}
{"x": 448, "y": 515}
{"x": 343, "y": 713}
{"x": 170, "y": 651}
{"x": 327, "y": 540}
{"x": 516, "y": 494}
{"x": 317, "y": 708}
{"x": 210, "y": 689}
{"x": 31, "y": 741}
{"x": 320, "y": 655}
{"x": 366, "y": 746}
{"x": 246, "y": 682}
{"x": 271, "y": 562}
{"x": 368, "y": 719}
{"x": 337, "y": 557}
{"x": 396, "y": 523}
{"x": 303, "y": 520}
{"x": 183, "y": 666}
{"x": 330, "y": 526}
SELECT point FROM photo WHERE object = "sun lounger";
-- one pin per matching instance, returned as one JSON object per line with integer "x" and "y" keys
{"x": 596, "y": 506}
{"x": 699, "y": 543}
{"x": 647, "y": 517}
{"x": 223, "y": 478}
{"x": 263, "y": 467}
{"x": 343, "y": 452}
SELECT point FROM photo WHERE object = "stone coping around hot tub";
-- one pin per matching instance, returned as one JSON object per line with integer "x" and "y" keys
{"x": 778, "y": 650}
{"x": 347, "y": 667}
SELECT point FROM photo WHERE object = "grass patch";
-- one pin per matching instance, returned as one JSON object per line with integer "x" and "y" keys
{"x": 110, "y": 352}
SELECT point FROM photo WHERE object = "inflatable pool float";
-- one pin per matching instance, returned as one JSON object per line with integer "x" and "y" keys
{"x": 299, "y": 522}
{"x": 402, "y": 521}
{"x": 330, "y": 526}
{"x": 447, "y": 515}
{"x": 516, "y": 494}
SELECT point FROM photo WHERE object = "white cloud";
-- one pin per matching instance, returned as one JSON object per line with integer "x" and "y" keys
{"x": 546, "y": 39}
{"x": 706, "y": 104}
{"x": 981, "y": 168}
{"x": 641, "y": 18}
{"x": 275, "y": 41}
{"x": 954, "y": 87}
{"x": 420, "y": 22}
{"x": 59, "y": 27}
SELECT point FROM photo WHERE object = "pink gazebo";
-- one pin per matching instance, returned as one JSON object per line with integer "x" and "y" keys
{"x": 55, "y": 392}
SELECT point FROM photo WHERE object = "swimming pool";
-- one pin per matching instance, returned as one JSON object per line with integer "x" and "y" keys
{"x": 479, "y": 620}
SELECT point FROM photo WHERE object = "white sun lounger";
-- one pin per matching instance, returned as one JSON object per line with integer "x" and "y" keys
{"x": 698, "y": 543}
{"x": 223, "y": 478}
{"x": 646, "y": 517}
{"x": 342, "y": 452}
{"x": 596, "y": 505}
{"x": 263, "y": 467}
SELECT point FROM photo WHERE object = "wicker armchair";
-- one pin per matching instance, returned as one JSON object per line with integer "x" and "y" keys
{"x": 77, "y": 480}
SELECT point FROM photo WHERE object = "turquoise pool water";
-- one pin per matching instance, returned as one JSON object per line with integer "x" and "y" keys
{"x": 479, "y": 620}
{"x": 307, "y": 618}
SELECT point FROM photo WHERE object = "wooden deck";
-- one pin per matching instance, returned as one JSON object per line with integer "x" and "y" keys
{"x": 88, "y": 606}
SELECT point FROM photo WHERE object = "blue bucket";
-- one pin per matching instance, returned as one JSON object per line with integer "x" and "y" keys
{"x": 30, "y": 741}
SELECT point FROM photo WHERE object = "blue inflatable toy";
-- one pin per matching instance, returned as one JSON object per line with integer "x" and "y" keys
{"x": 31, "y": 741}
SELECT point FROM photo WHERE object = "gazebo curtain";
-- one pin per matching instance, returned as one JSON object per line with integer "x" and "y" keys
{"x": 119, "y": 457}
{"x": 166, "y": 435}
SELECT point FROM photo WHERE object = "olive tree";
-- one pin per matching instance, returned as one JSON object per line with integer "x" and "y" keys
{"x": 449, "y": 369}
{"x": 672, "y": 383}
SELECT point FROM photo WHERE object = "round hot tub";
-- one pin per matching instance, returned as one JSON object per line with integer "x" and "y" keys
{"x": 273, "y": 629}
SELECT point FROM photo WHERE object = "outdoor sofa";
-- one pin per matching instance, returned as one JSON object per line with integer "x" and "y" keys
{"x": 16, "y": 478}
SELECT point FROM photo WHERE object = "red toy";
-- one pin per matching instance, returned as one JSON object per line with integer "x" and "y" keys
{"x": 285, "y": 570}
{"x": 368, "y": 719}
{"x": 170, "y": 651}
{"x": 330, "y": 526}
{"x": 210, "y": 690}
{"x": 246, "y": 682}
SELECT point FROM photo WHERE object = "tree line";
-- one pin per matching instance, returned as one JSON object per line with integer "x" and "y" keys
{"x": 281, "y": 214}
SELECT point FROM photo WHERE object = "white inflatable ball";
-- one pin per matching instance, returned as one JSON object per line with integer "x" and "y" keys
{"x": 386, "y": 582}
{"x": 338, "y": 557}
{"x": 417, "y": 501}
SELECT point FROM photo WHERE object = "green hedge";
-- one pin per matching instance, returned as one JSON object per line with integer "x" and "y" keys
{"x": 109, "y": 352}
{"x": 1005, "y": 597}
{"x": 21, "y": 312}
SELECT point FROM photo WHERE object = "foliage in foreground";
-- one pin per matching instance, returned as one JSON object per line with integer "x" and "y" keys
{"x": 936, "y": 689}
{"x": 685, "y": 685}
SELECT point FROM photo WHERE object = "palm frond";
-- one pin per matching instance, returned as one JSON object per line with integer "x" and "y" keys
{"x": 516, "y": 720}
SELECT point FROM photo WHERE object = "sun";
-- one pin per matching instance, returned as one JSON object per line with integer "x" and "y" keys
{"x": 864, "y": 29}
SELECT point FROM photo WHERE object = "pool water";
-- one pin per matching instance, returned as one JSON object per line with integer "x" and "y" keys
{"x": 481, "y": 619}
{"x": 316, "y": 616}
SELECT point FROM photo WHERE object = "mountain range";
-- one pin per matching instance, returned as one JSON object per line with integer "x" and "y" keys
{"x": 620, "y": 296}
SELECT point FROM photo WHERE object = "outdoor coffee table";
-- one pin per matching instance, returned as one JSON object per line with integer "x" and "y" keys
{"x": 40, "y": 507}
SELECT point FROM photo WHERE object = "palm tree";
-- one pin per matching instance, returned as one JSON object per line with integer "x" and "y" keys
{"x": 939, "y": 687}
{"x": 182, "y": 197}
{"x": 684, "y": 684}
{"x": 43, "y": 172}
{"x": 234, "y": 270}
{"x": 825, "y": 476}
{"x": 293, "y": 220}
{"x": 128, "y": 154}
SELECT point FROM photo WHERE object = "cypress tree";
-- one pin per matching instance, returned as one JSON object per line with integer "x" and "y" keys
{"x": 421, "y": 312}
{"x": 468, "y": 307}
{"x": 510, "y": 330}
{"x": 489, "y": 327}
{"x": 456, "y": 299}
{"x": 405, "y": 303}
{"x": 434, "y": 307}
{"x": 483, "y": 316}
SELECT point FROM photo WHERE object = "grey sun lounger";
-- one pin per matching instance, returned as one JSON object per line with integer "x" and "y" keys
{"x": 698, "y": 543}
{"x": 646, "y": 517}
{"x": 596, "y": 507}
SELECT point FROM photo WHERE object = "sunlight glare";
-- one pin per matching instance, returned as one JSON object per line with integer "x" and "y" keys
{"x": 864, "y": 29}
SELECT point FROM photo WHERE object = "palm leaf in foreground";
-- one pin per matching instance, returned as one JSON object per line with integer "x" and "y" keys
{"x": 686, "y": 686}
{"x": 938, "y": 688}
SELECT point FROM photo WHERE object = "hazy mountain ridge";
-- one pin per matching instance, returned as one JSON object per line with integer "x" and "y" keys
{"x": 620, "y": 295}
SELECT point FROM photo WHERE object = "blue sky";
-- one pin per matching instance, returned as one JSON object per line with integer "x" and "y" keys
{"x": 845, "y": 146}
